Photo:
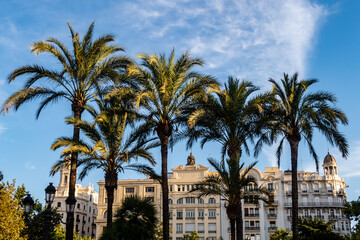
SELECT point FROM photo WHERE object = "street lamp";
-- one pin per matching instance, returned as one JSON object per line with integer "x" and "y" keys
{"x": 28, "y": 204}
{"x": 70, "y": 204}
{"x": 49, "y": 194}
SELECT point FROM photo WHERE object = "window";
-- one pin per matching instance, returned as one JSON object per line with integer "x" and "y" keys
{"x": 187, "y": 189}
{"x": 149, "y": 189}
{"x": 90, "y": 198}
{"x": 180, "y": 201}
{"x": 179, "y": 188}
{"x": 201, "y": 228}
{"x": 170, "y": 201}
{"x": 212, "y": 227}
{"x": 170, "y": 214}
{"x": 190, "y": 214}
{"x": 270, "y": 186}
{"x": 171, "y": 188}
{"x": 212, "y": 200}
{"x": 105, "y": 215}
{"x": 183, "y": 188}
{"x": 179, "y": 228}
{"x": 190, "y": 200}
{"x": 89, "y": 209}
{"x": 303, "y": 188}
{"x": 130, "y": 190}
{"x": 189, "y": 227}
{"x": 201, "y": 214}
{"x": 212, "y": 213}
{"x": 200, "y": 201}
{"x": 65, "y": 180}
{"x": 59, "y": 204}
{"x": 179, "y": 215}
{"x": 316, "y": 188}
{"x": 78, "y": 206}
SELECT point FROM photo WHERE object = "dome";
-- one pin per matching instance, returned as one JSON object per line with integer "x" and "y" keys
{"x": 329, "y": 159}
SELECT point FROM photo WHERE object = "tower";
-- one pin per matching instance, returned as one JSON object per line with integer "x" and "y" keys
{"x": 64, "y": 176}
{"x": 330, "y": 165}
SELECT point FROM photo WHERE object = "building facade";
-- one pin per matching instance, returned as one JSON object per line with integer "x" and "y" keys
{"x": 187, "y": 212}
{"x": 85, "y": 211}
{"x": 320, "y": 196}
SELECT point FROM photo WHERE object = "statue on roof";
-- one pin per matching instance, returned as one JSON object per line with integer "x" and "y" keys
{"x": 190, "y": 160}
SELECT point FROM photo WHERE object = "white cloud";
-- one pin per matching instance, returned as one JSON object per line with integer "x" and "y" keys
{"x": 30, "y": 166}
{"x": 2, "y": 128}
{"x": 349, "y": 167}
{"x": 250, "y": 39}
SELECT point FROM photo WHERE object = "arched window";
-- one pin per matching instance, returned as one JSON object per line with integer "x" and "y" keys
{"x": 105, "y": 214}
{"x": 200, "y": 201}
{"x": 59, "y": 204}
{"x": 170, "y": 201}
{"x": 212, "y": 200}
{"x": 180, "y": 201}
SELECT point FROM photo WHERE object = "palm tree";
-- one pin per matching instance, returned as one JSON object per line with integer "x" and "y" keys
{"x": 76, "y": 81}
{"x": 167, "y": 86}
{"x": 109, "y": 150}
{"x": 231, "y": 183}
{"x": 293, "y": 115}
{"x": 229, "y": 116}
{"x": 135, "y": 219}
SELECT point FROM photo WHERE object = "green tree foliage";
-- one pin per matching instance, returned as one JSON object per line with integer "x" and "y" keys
{"x": 45, "y": 219}
{"x": 192, "y": 236}
{"x": 281, "y": 234}
{"x": 135, "y": 220}
{"x": 293, "y": 114}
{"x": 231, "y": 184}
{"x": 317, "y": 229}
{"x": 59, "y": 234}
{"x": 352, "y": 210}
{"x": 11, "y": 221}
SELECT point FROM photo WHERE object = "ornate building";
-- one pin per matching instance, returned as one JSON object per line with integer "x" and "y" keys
{"x": 187, "y": 212}
{"x": 319, "y": 197}
{"x": 86, "y": 206}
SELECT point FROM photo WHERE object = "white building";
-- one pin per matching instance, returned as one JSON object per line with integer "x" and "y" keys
{"x": 86, "y": 204}
{"x": 319, "y": 196}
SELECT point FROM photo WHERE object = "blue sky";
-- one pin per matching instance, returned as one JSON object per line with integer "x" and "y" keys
{"x": 252, "y": 40}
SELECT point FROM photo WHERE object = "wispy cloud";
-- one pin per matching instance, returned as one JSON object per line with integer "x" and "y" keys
{"x": 250, "y": 39}
{"x": 349, "y": 167}
{"x": 2, "y": 128}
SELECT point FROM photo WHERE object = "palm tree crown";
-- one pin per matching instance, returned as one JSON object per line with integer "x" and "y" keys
{"x": 108, "y": 149}
{"x": 293, "y": 114}
{"x": 227, "y": 116}
{"x": 166, "y": 87}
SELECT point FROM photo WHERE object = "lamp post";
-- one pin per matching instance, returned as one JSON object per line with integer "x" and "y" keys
{"x": 49, "y": 199}
{"x": 28, "y": 205}
{"x": 70, "y": 206}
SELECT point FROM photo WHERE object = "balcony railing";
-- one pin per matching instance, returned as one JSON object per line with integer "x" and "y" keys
{"x": 252, "y": 228}
{"x": 272, "y": 228}
{"x": 212, "y": 231}
{"x": 272, "y": 215}
{"x": 252, "y": 215}
{"x": 316, "y": 204}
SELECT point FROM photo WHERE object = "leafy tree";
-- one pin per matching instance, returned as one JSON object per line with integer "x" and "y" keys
{"x": 293, "y": 114}
{"x": 167, "y": 87}
{"x": 281, "y": 234}
{"x": 317, "y": 229}
{"x": 135, "y": 219}
{"x": 352, "y": 210}
{"x": 231, "y": 183}
{"x": 108, "y": 149}
{"x": 192, "y": 236}
{"x": 59, "y": 234}
{"x": 76, "y": 80}
{"x": 11, "y": 221}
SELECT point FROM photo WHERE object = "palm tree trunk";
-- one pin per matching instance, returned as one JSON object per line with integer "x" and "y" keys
{"x": 232, "y": 229}
{"x": 239, "y": 224}
{"x": 165, "y": 188}
{"x": 77, "y": 111}
{"x": 294, "y": 194}
{"x": 110, "y": 185}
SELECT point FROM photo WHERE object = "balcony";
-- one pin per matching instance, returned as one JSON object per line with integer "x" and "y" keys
{"x": 273, "y": 202}
{"x": 190, "y": 217}
{"x": 252, "y": 228}
{"x": 200, "y": 231}
{"x": 316, "y": 191}
{"x": 304, "y": 191}
{"x": 272, "y": 228}
{"x": 334, "y": 217}
{"x": 319, "y": 217}
{"x": 252, "y": 215}
{"x": 272, "y": 215}
{"x": 78, "y": 220}
{"x": 212, "y": 231}
{"x": 316, "y": 204}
